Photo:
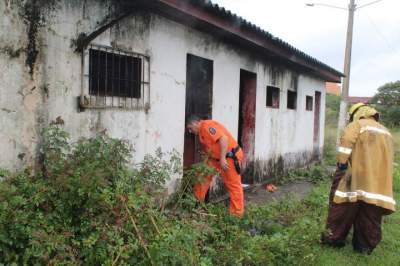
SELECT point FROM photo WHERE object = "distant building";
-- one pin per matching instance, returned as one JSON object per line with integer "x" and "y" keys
{"x": 365, "y": 100}
{"x": 333, "y": 88}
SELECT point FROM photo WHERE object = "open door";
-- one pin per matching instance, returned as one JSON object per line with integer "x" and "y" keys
{"x": 247, "y": 113}
{"x": 199, "y": 79}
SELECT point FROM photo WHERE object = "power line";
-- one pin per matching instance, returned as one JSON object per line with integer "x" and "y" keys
{"x": 381, "y": 35}
{"x": 368, "y": 4}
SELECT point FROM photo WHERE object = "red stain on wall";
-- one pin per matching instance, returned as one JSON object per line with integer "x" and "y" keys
{"x": 247, "y": 108}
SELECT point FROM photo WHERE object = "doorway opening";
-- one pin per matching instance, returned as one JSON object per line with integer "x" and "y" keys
{"x": 247, "y": 113}
{"x": 199, "y": 84}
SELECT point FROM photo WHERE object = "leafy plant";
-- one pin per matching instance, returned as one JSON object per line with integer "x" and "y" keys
{"x": 183, "y": 198}
{"x": 4, "y": 173}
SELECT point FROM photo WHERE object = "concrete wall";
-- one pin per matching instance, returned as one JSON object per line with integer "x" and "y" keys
{"x": 28, "y": 102}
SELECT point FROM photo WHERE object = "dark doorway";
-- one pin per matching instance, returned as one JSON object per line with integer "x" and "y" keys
{"x": 247, "y": 113}
{"x": 199, "y": 79}
{"x": 317, "y": 111}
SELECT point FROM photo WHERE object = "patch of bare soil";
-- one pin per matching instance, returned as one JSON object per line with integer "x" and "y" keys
{"x": 259, "y": 195}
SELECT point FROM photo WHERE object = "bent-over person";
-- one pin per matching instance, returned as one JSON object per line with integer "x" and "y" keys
{"x": 226, "y": 157}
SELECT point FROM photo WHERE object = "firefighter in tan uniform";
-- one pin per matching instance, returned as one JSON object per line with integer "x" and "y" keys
{"x": 362, "y": 190}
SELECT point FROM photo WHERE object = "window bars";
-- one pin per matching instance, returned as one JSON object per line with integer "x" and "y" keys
{"x": 115, "y": 79}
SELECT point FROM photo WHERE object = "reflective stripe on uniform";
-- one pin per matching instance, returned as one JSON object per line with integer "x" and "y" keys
{"x": 344, "y": 150}
{"x": 361, "y": 193}
{"x": 374, "y": 129}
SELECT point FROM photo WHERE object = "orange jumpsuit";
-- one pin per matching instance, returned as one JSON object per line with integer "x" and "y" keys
{"x": 210, "y": 132}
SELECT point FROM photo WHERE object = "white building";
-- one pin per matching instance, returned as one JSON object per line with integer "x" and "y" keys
{"x": 135, "y": 68}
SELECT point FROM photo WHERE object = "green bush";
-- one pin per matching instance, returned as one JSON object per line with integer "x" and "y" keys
{"x": 86, "y": 206}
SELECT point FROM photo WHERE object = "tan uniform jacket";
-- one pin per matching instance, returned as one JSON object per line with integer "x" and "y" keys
{"x": 368, "y": 147}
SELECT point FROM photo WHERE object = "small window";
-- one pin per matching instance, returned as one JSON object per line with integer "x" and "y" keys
{"x": 309, "y": 103}
{"x": 273, "y": 94}
{"x": 115, "y": 78}
{"x": 291, "y": 100}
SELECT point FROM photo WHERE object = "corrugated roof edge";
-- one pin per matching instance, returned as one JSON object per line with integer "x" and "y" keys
{"x": 221, "y": 11}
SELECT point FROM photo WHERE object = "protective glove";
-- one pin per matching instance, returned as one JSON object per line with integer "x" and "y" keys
{"x": 342, "y": 166}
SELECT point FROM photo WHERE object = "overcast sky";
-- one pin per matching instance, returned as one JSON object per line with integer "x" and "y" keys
{"x": 321, "y": 32}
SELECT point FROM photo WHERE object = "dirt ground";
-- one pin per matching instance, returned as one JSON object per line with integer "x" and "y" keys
{"x": 259, "y": 195}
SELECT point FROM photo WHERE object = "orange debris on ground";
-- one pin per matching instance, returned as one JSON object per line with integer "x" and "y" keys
{"x": 271, "y": 188}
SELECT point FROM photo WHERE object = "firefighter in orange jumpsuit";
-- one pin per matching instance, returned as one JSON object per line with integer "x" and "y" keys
{"x": 226, "y": 157}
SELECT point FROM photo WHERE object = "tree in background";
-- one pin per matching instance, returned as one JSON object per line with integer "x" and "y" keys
{"x": 387, "y": 101}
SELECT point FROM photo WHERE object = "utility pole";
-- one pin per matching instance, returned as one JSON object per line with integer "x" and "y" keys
{"x": 347, "y": 60}
{"x": 346, "y": 79}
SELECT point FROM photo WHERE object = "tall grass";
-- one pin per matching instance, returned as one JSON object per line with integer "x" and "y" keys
{"x": 396, "y": 138}
{"x": 331, "y": 119}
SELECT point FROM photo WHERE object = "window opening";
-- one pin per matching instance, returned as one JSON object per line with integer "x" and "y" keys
{"x": 273, "y": 95}
{"x": 291, "y": 100}
{"x": 309, "y": 103}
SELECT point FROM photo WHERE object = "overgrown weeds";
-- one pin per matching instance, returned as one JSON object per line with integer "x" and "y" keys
{"x": 314, "y": 174}
{"x": 88, "y": 207}
{"x": 183, "y": 197}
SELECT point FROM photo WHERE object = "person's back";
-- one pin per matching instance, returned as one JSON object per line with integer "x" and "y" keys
{"x": 371, "y": 163}
{"x": 209, "y": 132}
{"x": 361, "y": 191}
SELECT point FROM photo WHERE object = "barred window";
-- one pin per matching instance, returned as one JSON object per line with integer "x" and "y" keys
{"x": 114, "y": 75}
{"x": 116, "y": 78}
